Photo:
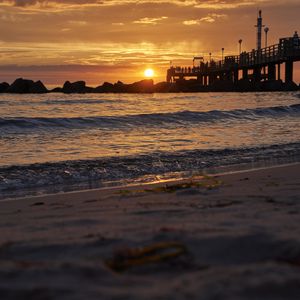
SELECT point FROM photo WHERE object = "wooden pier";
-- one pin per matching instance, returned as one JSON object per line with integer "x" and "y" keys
{"x": 256, "y": 66}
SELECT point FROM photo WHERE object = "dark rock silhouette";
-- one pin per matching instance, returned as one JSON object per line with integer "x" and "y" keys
{"x": 56, "y": 90}
{"x": 188, "y": 86}
{"x": 143, "y": 86}
{"x": 4, "y": 87}
{"x": 119, "y": 87}
{"x": 291, "y": 86}
{"x": 246, "y": 85}
{"x": 78, "y": 87}
{"x": 106, "y": 87}
{"x": 163, "y": 87}
{"x": 25, "y": 86}
{"x": 37, "y": 88}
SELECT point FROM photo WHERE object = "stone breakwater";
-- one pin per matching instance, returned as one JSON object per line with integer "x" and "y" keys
{"x": 25, "y": 86}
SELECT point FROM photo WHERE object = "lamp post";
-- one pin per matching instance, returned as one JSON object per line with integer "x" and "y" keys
{"x": 222, "y": 55}
{"x": 266, "y": 35}
{"x": 240, "y": 46}
{"x": 210, "y": 57}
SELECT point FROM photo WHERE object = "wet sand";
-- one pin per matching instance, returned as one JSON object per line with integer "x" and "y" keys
{"x": 232, "y": 236}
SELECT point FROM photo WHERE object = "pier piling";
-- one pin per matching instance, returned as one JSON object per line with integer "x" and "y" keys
{"x": 289, "y": 71}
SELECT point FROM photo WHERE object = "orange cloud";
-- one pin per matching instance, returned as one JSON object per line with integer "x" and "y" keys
{"x": 210, "y": 18}
{"x": 149, "y": 21}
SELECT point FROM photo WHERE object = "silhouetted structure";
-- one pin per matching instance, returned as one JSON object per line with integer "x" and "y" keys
{"x": 260, "y": 65}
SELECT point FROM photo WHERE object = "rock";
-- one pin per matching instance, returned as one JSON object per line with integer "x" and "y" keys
{"x": 56, "y": 90}
{"x": 77, "y": 87}
{"x": 143, "y": 86}
{"x": 187, "y": 86}
{"x": 37, "y": 88}
{"x": 20, "y": 86}
{"x": 291, "y": 86}
{"x": 120, "y": 87}
{"x": 106, "y": 87}
{"x": 163, "y": 87}
{"x": 25, "y": 86}
{"x": 4, "y": 87}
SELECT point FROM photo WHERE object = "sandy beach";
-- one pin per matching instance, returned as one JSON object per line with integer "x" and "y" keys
{"x": 231, "y": 236}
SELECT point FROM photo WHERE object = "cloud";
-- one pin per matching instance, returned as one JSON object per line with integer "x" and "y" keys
{"x": 13, "y": 18}
{"x": 210, "y": 18}
{"x": 24, "y": 3}
{"x": 149, "y": 21}
{"x": 217, "y": 4}
{"x": 78, "y": 23}
{"x": 191, "y": 22}
{"x": 57, "y": 6}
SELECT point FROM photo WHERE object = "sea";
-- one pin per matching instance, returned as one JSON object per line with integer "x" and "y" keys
{"x": 53, "y": 143}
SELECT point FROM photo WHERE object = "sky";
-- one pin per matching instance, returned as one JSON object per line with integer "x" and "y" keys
{"x": 111, "y": 40}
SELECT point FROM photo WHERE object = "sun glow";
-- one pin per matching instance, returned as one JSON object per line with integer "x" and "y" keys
{"x": 149, "y": 73}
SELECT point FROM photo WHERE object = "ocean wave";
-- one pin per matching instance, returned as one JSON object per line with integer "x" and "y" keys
{"x": 74, "y": 101}
{"x": 57, "y": 102}
{"x": 68, "y": 175}
{"x": 181, "y": 118}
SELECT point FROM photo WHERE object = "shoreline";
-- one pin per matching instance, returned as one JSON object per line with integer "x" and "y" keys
{"x": 84, "y": 174}
{"x": 153, "y": 184}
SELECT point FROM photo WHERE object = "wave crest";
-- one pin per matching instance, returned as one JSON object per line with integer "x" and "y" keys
{"x": 150, "y": 120}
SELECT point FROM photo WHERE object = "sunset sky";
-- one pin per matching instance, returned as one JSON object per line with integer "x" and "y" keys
{"x": 110, "y": 40}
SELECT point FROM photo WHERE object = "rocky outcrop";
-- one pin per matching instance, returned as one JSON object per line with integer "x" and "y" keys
{"x": 163, "y": 87}
{"x": 106, "y": 87}
{"x": 188, "y": 86}
{"x": 56, "y": 90}
{"x": 143, "y": 86}
{"x": 37, "y": 88}
{"x": 4, "y": 87}
{"x": 25, "y": 86}
{"x": 120, "y": 87}
{"x": 246, "y": 85}
{"x": 291, "y": 86}
{"x": 78, "y": 87}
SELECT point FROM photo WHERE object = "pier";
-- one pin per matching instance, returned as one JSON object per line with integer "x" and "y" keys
{"x": 256, "y": 66}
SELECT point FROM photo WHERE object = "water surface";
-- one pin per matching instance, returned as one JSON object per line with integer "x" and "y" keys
{"x": 70, "y": 139}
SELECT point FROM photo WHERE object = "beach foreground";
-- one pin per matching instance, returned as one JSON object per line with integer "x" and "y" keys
{"x": 233, "y": 236}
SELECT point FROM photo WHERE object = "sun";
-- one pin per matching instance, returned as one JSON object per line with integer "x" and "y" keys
{"x": 149, "y": 73}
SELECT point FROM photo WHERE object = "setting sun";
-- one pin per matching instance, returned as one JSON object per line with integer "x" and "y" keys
{"x": 149, "y": 73}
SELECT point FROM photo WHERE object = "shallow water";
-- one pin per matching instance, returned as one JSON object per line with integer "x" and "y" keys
{"x": 62, "y": 139}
